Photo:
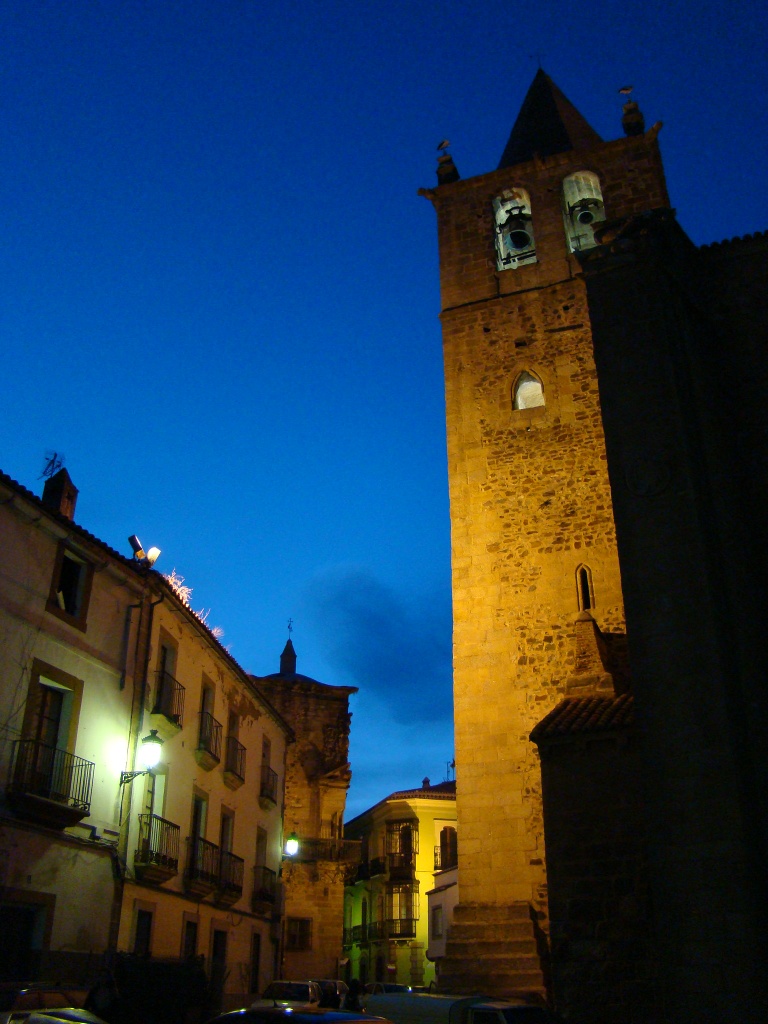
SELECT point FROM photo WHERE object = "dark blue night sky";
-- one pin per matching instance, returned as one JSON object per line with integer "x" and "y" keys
{"x": 219, "y": 293}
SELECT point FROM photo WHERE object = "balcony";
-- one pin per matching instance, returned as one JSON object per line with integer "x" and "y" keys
{"x": 375, "y": 931}
{"x": 229, "y": 887}
{"x": 168, "y": 710}
{"x": 267, "y": 788}
{"x": 208, "y": 753}
{"x": 401, "y": 865}
{"x": 357, "y": 873}
{"x": 446, "y": 857}
{"x": 48, "y": 785}
{"x": 400, "y": 928}
{"x": 156, "y": 858}
{"x": 202, "y": 874}
{"x": 234, "y": 763}
{"x": 342, "y": 851}
{"x": 377, "y": 866}
{"x": 264, "y": 895}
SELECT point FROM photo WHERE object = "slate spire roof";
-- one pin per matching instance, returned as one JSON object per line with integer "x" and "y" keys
{"x": 288, "y": 660}
{"x": 548, "y": 123}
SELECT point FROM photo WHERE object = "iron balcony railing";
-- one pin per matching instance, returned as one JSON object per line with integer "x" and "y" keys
{"x": 344, "y": 851}
{"x": 209, "y": 736}
{"x": 231, "y": 873}
{"x": 268, "y": 788}
{"x": 400, "y": 928}
{"x": 169, "y": 698}
{"x": 158, "y": 842}
{"x": 446, "y": 857}
{"x": 264, "y": 884}
{"x": 234, "y": 757}
{"x": 377, "y": 866}
{"x": 374, "y": 931}
{"x": 44, "y": 771}
{"x": 401, "y": 865}
{"x": 203, "y": 861}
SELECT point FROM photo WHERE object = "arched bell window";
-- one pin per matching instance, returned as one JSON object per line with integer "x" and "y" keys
{"x": 515, "y": 244}
{"x": 583, "y": 209}
{"x": 527, "y": 392}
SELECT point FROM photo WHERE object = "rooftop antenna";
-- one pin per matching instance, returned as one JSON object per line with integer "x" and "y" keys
{"x": 53, "y": 463}
{"x": 450, "y": 771}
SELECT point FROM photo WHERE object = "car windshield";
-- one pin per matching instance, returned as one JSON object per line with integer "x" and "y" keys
{"x": 288, "y": 990}
{"x": 393, "y": 988}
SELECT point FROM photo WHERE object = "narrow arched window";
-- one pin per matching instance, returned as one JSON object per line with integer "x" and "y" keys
{"x": 583, "y": 209}
{"x": 515, "y": 244}
{"x": 584, "y": 589}
{"x": 527, "y": 392}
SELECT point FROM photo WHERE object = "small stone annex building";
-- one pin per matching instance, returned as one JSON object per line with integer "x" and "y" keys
{"x": 317, "y": 777}
{"x": 609, "y": 556}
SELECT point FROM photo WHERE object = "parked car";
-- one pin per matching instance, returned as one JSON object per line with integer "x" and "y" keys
{"x": 289, "y": 993}
{"x": 18, "y": 1001}
{"x": 63, "y": 1015}
{"x": 380, "y": 988}
{"x": 287, "y": 1015}
{"x": 331, "y": 990}
{"x": 408, "y": 1008}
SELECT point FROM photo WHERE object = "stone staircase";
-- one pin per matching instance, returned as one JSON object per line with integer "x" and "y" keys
{"x": 492, "y": 950}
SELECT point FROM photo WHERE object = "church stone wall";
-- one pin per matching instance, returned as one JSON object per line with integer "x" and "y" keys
{"x": 530, "y": 502}
{"x": 530, "y": 495}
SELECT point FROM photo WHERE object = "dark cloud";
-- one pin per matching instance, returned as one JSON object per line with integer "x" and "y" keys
{"x": 377, "y": 641}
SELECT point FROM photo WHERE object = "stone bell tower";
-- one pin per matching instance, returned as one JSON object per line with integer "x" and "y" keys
{"x": 537, "y": 597}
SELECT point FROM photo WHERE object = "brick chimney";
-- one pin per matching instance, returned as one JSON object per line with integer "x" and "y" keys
{"x": 60, "y": 494}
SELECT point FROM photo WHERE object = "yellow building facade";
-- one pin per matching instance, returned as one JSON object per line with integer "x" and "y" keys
{"x": 405, "y": 839}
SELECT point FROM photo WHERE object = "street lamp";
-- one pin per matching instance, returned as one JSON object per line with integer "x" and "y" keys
{"x": 292, "y": 845}
{"x": 148, "y": 755}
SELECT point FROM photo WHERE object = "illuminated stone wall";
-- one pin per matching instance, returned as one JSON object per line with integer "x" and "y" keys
{"x": 530, "y": 497}
{"x": 317, "y": 777}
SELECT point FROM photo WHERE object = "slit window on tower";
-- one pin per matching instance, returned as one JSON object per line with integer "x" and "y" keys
{"x": 584, "y": 588}
{"x": 515, "y": 243}
{"x": 583, "y": 209}
{"x": 527, "y": 392}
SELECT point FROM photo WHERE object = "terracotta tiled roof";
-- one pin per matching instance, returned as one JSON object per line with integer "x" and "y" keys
{"x": 756, "y": 236}
{"x": 447, "y": 790}
{"x": 584, "y": 715}
{"x": 440, "y": 791}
